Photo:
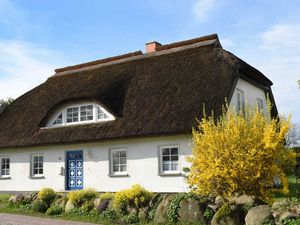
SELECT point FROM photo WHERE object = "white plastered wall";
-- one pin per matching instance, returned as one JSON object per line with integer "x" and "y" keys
{"x": 251, "y": 93}
{"x": 142, "y": 163}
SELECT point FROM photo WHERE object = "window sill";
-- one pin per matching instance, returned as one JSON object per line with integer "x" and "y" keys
{"x": 37, "y": 177}
{"x": 5, "y": 178}
{"x": 119, "y": 175}
{"x": 177, "y": 174}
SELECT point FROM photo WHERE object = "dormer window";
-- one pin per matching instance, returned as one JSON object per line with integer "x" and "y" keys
{"x": 72, "y": 114}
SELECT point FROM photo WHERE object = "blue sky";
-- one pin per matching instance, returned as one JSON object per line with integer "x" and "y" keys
{"x": 38, "y": 36}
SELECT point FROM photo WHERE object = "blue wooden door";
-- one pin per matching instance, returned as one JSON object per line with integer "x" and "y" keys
{"x": 74, "y": 170}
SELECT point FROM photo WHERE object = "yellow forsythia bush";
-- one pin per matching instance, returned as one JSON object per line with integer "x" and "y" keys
{"x": 107, "y": 196}
{"x": 79, "y": 197}
{"x": 47, "y": 195}
{"x": 136, "y": 196}
{"x": 240, "y": 153}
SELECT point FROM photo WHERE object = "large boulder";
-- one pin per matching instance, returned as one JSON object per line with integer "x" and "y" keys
{"x": 161, "y": 214}
{"x": 219, "y": 201}
{"x": 17, "y": 199}
{"x": 143, "y": 213}
{"x": 228, "y": 214}
{"x": 257, "y": 215}
{"x": 69, "y": 206}
{"x": 60, "y": 201}
{"x": 189, "y": 212}
{"x": 102, "y": 205}
{"x": 288, "y": 215}
{"x": 244, "y": 200}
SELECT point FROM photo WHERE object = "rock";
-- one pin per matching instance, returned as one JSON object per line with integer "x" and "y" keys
{"x": 213, "y": 207}
{"x": 288, "y": 215}
{"x": 189, "y": 212}
{"x": 143, "y": 214}
{"x": 69, "y": 206}
{"x": 281, "y": 205}
{"x": 102, "y": 206}
{"x": 154, "y": 200}
{"x": 228, "y": 215}
{"x": 97, "y": 202}
{"x": 244, "y": 200}
{"x": 60, "y": 201}
{"x": 12, "y": 199}
{"x": 31, "y": 197}
{"x": 132, "y": 210}
{"x": 161, "y": 216}
{"x": 219, "y": 201}
{"x": 258, "y": 214}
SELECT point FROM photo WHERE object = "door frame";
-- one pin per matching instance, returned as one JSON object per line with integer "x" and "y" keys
{"x": 66, "y": 169}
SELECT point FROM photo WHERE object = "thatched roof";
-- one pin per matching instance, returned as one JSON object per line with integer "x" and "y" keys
{"x": 153, "y": 94}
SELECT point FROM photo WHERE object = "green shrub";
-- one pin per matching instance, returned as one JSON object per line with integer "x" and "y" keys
{"x": 25, "y": 208}
{"x": 130, "y": 218}
{"x": 54, "y": 210}
{"x": 86, "y": 207}
{"x": 136, "y": 196}
{"x": 47, "y": 195}
{"x": 81, "y": 196}
{"x": 208, "y": 214}
{"x": 109, "y": 214}
{"x": 39, "y": 206}
{"x": 107, "y": 196}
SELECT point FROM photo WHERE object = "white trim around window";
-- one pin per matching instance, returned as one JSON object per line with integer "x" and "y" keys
{"x": 240, "y": 100}
{"x": 118, "y": 162}
{"x": 79, "y": 113}
{"x": 169, "y": 160}
{"x": 4, "y": 167}
{"x": 37, "y": 166}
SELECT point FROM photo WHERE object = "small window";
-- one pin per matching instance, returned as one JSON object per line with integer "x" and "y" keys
{"x": 119, "y": 161}
{"x": 5, "y": 167}
{"x": 86, "y": 113}
{"x": 169, "y": 159}
{"x": 58, "y": 121}
{"x": 260, "y": 104}
{"x": 37, "y": 165}
{"x": 72, "y": 114}
{"x": 101, "y": 114}
{"x": 240, "y": 98}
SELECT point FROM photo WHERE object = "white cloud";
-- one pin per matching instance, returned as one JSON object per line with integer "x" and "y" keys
{"x": 23, "y": 66}
{"x": 202, "y": 8}
{"x": 280, "y": 59}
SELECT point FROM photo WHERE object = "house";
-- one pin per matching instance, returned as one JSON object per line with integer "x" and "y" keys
{"x": 123, "y": 120}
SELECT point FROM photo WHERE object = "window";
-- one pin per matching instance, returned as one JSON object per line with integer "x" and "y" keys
{"x": 240, "y": 98}
{"x": 260, "y": 104}
{"x": 86, "y": 113}
{"x": 72, "y": 115}
{"x": 58, "y": 120}
{"x": 101, "y": 114}
{"x": 79, "y": 113}
{"x": 5, "y": 167}
{"x": 37, "y": 165}
{"x": 119, "y": 161}
{"x": 169, "y": 159}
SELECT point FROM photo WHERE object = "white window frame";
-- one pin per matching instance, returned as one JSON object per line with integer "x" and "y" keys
{"x": 95, "y": 119}
{"x": 32, "y": 165}
{"x": 240, "y": 106}
{"x": 260, "y": 104}
{"x": 9, "y": 170}
{"x": 161, "y": 170}
{"x": 112, "y": 164}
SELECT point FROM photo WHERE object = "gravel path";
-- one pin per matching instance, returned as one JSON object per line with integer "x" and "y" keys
{"x": 12, "y": 219}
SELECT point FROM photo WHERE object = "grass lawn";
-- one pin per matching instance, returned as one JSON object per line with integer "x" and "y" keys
{"x": 5, "y": 207}
{"x": 294, "y": 186}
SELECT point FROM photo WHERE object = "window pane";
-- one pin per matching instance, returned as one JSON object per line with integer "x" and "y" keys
{"x": 166, "y": 151}
{"x": 116, "y": 154}
{"x": 174, "y": 151}
{"x": 174, "y": 167}
{"x": 115, "y": 168}
{"x": 174, "y": 158}
{"x": 166, "y": 158}
{"x": 123, "y": 168}
{"x": 166, "y": 167}
{"x": 123, "y": 153}
{"x": 115, "y": 160}
{"x": 122, "y": 160}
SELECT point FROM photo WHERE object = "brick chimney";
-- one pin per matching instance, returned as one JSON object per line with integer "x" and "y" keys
{"x": 152, "y": 46}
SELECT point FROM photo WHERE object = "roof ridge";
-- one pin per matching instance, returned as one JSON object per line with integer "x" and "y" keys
{"x": 173, "y": 45}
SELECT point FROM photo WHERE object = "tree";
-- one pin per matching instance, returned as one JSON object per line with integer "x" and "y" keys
{"x": 240, "y": 153}
{"x": 4, "y": 103}
{"x": 293, "y": 137}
